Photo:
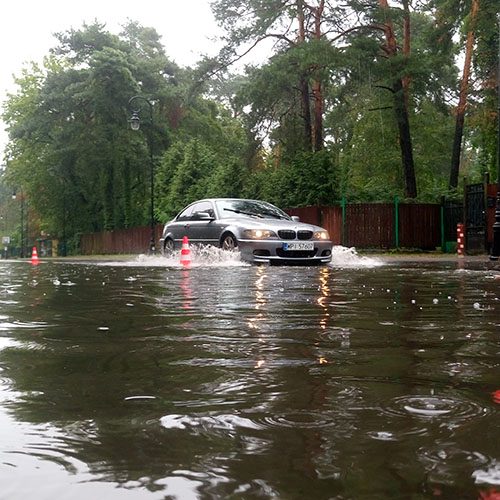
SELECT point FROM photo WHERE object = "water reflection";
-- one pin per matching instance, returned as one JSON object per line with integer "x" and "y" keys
{"x": 260, "y": 300}
{"x": 186, "y": 289}
{"x": 324, "y": 294}
{"x": 215, "y": 382}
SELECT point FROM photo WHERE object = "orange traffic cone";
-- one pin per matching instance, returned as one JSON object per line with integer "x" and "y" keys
{"x": 185, "y": 253}
{"x": 34, "y": 256}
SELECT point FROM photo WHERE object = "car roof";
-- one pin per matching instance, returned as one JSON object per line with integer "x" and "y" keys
{"x": 230, "y": 199}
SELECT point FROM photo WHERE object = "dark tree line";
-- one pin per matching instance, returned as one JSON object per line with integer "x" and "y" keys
{"x": 364, "y": 100}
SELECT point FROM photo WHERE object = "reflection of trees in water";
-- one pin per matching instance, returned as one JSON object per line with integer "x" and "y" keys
{"x": 273, "y": 386}
{"x": 103, "y": 342}
{"x": 238, "y": 400}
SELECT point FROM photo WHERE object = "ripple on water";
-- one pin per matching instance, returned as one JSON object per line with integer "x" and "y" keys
{"x": 423, "y": 407}
{"x": 12, "y": 325}
{"x": 450, "y": 455}
{"x": 299, "y": 419}
{"x": 445, "y": 461}
{"x": 220, "y": 424}
{"x": 488, "y": 475}
{"x": 6, "y": 342}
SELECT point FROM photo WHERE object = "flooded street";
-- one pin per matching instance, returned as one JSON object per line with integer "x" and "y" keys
{"x": 139, "y": 379}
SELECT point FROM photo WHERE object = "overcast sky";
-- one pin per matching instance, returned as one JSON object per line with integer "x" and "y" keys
{"x": 186, "y": 27}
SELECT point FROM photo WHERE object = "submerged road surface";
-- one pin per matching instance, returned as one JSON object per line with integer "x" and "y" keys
{"x": 141, "y": 379}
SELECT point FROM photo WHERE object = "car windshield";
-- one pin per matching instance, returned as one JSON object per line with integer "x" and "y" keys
{"x": 250, "y": 208}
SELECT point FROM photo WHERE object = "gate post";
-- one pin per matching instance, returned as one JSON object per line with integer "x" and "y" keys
{"x": 396, "y": 221}
{"x": 443, "y": 240}
{"x": 343, "y": 221}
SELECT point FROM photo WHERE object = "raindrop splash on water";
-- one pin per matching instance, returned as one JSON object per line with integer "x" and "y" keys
{"x": 490, "y": 475}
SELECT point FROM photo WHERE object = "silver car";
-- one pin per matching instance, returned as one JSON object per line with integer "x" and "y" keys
{"x": 261, "y": 232}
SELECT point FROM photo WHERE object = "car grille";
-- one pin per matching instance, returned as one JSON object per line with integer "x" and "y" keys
{"x": 289, "y": 234}
{"x": 286, "y": 234}
{"x": 295, "y": 254}
{"x": 305, "y": 235}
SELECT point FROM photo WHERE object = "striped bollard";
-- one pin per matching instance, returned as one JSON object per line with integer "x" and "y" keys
{"x": 460, "y": 240}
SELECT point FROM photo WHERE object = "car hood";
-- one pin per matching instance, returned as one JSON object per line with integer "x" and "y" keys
{"x": 275, "y": 224}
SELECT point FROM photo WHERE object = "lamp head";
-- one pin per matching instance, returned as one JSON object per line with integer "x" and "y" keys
{"x": 135, "y": 121}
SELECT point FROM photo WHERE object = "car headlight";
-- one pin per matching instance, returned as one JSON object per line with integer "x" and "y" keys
{"x": 321, "y": 235}
{"x": 259, "y": 234}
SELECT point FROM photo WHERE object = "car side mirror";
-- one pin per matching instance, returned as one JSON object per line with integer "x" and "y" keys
{"x": 295, "y": 218}
{"x": 204, "y": 216}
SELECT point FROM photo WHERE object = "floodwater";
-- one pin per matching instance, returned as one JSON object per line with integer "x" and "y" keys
{"x": 364, "y": 379}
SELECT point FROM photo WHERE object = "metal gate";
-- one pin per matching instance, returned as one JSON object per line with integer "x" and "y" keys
{"x": 475, "y": 219}
{"x": 453, "y": 214}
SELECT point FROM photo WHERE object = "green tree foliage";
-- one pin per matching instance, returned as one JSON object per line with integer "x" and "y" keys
{"x": 479, "y": 145}
{"x": 484, "y": 109}
{"x": 205, "y": 159}
{"x": 71, "y": 151}
{"x": 362, "y": 123}
{"x": 70, "y": 148}
{"x": 356, "y": 56}
{"x": 316, "y": 121}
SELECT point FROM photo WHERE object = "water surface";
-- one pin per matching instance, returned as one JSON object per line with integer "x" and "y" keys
{"x": 141, "y": 379}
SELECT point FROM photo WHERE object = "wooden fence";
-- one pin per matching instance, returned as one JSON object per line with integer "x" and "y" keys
{"x": 134, "y": 240}
{"x": 363, "y": 225}
{"x": 328, "y": 217}
{"x": 420, "y": 226}
{"x": 370, "y": 225}
{"x": 378, "y": 225}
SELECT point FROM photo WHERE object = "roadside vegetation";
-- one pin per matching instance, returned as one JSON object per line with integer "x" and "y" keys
{"x": 365, "y": 100}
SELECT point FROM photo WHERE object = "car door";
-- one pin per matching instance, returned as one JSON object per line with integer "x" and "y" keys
{"x": 204, "y": 231}
{"x": 181, "y": 226}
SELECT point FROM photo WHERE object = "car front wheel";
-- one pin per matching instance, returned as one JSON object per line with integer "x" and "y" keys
{"x": 228, "y": 242}
{"x": 168, "y": 247}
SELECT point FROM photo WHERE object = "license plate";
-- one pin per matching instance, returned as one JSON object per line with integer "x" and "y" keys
{"x": 299, "y": 245}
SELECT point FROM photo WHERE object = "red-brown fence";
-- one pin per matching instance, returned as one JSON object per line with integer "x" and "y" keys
{"x": 370, "y": 225}
{"x": 331, "y": 220}
{"x": 328, "y": 217}
{"x": 132, "y": 240}
{"x": 420, "y": 226}
{"x": 367, "y": 225}
{"x": 373, "y": 225}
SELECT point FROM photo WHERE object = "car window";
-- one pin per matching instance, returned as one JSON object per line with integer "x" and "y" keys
{"x": 249, "y": 208}
{"x": 186, "y": 213}
{"x": 203, "y": 206}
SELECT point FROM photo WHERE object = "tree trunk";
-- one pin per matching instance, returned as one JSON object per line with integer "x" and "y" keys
{"x": 405, "y": 144}
{"x": 317, "y": 88}
{"x": 462, "y": 100}
{"x": 318, "y": 116}
{"x": 406, "y": 49}
{"x": 304, "y": 86}
{"x": 306, "y": 114}
{"x": 401, "y": 111}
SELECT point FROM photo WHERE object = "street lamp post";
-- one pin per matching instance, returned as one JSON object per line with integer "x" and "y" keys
{"x": 134, "y": 105}
{"x": 65, "y": 246}
{"x": 495, "y": 248}
{"x": 54, "y": 172}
